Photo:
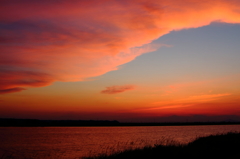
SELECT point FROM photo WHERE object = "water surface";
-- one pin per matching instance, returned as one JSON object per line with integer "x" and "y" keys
{"x": 76, "y": 142}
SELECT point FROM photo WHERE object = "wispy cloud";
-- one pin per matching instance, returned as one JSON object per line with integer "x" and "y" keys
{"x": 193, "y": 99}
{"x": 205, "y": 97}
{"x": 11, "y": 90}
{"x": 14, "y": 80}
{"x": 200, "y": 101}
{"x": 117, "y": 89}
{"x": 75, "y": 40}
{"x": 171, "y": 106}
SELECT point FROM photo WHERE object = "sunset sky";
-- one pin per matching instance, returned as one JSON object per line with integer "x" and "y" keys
{"x": 120, "y": 60}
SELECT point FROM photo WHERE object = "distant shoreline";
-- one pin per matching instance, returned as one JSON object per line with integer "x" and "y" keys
{"x": 11, "y": 122}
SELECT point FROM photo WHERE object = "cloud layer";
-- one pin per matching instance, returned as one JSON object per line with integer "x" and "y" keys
{"x": 117, "y": 89}
{"x": 46, "y": 41}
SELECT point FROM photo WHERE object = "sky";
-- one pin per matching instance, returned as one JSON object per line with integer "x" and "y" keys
{"x": 128, "y": 60}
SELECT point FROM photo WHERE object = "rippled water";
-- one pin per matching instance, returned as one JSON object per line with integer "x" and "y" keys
{"x": 76, "y": 142}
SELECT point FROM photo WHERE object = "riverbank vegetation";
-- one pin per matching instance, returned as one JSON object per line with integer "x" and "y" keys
{"x": 214, "y": 146}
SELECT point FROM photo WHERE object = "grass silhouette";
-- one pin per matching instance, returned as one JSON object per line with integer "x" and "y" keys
{"x": 225, "y": 146}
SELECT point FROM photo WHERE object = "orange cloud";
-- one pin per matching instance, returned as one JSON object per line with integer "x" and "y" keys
{"x": 74, "y": 40}
{"x": 11, "y": 90}
{"x": 193, "y": 99}
{"x": 13, "y": 81}
{"x": 171, "y": 106}
{"x": 117, "y": 89}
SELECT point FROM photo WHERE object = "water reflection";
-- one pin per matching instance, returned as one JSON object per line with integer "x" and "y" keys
{"x": 75, "y": 142}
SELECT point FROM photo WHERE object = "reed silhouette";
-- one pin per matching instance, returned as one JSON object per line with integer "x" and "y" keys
{"x": 214, "y": 146}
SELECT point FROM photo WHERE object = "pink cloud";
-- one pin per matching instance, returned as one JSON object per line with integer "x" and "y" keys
{"x": 75, "y": 40}
{"x": 117, "y": 89}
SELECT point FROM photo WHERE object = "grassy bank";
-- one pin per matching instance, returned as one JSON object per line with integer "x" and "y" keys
{"x": 225, "y": 146}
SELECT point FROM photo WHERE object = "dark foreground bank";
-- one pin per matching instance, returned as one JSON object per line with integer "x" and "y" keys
{"x": 221, "y": 146}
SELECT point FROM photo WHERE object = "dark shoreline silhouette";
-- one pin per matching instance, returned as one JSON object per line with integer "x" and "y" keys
{"x": 214, "y": 146}
{"x": 11, "y": 122}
